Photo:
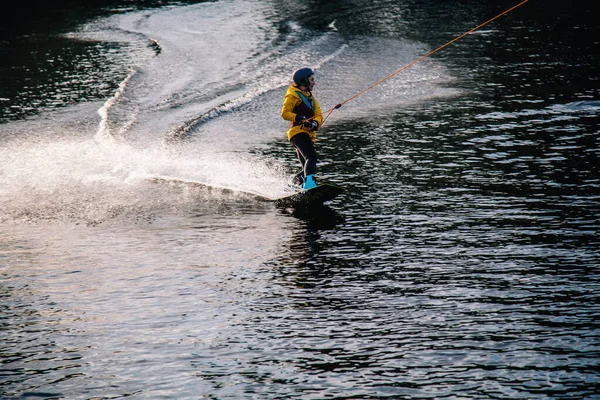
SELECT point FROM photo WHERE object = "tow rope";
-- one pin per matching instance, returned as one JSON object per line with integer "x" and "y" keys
{"x": 328, "y": 112}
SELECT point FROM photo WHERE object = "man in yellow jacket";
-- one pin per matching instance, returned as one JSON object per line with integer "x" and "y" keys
{"x": 304, "y": 113}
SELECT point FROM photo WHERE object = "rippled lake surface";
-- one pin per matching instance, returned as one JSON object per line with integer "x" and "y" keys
{"x": 461, "y": 262}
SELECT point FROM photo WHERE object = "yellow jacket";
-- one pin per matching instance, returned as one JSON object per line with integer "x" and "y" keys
{"x": 293, "y": 105}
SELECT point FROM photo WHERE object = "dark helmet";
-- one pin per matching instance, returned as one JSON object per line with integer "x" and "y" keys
{"x": 301, "y": 76}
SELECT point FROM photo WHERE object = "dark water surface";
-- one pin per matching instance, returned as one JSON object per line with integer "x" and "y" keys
{"x": 462, "y": 262}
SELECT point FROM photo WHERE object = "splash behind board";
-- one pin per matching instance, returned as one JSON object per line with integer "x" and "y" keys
{"x": 207, "y": 187}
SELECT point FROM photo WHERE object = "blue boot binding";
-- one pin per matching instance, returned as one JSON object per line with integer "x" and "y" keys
{"x": 310, "y": 182}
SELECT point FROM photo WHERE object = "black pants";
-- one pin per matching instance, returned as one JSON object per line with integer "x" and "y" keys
{"x": 306, "y": 153}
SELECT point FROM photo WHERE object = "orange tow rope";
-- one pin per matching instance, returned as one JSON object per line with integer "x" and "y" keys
{"x": 328, "y": 112}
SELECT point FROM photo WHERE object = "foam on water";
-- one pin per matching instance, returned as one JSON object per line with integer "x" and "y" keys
{"x": 214, "y": 57}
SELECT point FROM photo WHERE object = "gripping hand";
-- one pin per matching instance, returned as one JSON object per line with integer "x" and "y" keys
{"x": 311, "y": 125}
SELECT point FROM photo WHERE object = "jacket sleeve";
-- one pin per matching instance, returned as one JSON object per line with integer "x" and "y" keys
{"x": 289, "y": 103}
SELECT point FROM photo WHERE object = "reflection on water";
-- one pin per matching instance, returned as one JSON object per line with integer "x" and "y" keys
{"x": 317, "y": 217}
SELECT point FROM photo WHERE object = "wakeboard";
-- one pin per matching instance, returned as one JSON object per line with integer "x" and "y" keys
{"x": 305, "y": 199}
{"x": 311, "y": 197}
